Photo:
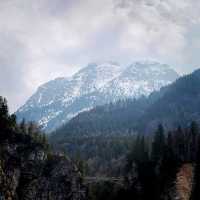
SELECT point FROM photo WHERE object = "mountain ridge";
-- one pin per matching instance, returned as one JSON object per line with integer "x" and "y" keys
{"x": 174, "y": 105}
{"x": 57, "y": 101}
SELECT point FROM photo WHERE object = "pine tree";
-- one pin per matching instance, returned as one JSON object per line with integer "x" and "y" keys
{"x": 180, "y": 146}
{"x": 169, "y": 154}
{"x": 23, "y": 127}
{"x": 158, "y": 145}
{"x": 144, "y": 157}
{"x": 194, "y": 131}
{"x": 3, "y": 107}
{"x": 140, "y": 151}
{"x": 12, "y": 121}
{"x": 196, "y": 192}
{"x": 3, "y": 113}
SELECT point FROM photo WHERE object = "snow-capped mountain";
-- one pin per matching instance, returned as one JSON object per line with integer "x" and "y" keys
{"x": 61, "y": 99}
{"x": 140, "y": 78}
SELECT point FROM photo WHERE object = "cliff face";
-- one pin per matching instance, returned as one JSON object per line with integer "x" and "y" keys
{"x": 184, "y": 182}
{"x": 28, "y": 172}
{"x": 182, "y": 187}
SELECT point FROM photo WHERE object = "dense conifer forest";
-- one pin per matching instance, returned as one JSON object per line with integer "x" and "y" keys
{"x": 141, "y": 166}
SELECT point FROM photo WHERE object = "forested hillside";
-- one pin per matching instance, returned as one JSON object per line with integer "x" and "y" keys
{"x": 28, "y": 168}
{"x": 118, "y": 118}
{"x": 176, "y": 104}
{"x": 167, "y": 167}
{"x": 161, "y": 165}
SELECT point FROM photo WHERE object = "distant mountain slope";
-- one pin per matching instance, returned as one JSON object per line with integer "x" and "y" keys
{"x": 140, "y": 78}
{"x": 57, "y": 101}
{"x": 176, "y": 104}
{"x": 104, "y": 120}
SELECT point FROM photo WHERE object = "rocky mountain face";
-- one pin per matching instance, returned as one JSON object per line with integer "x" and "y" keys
{"x": 34, "y": 176}
{"x": 138, "y": 79}
{"x": 184, "y": 181}
{"x": 28, "y": 174}
{"x": 38, "y": 178}
{"x": 29, "y": 170}
{"x": 57, "y": 101}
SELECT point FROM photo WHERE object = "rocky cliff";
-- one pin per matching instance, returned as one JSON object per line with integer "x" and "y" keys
{"x": 28, "y": 168}
{"x": 28, "y": 172}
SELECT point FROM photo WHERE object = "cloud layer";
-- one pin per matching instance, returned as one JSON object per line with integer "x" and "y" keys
{"x": 43, "y": 39}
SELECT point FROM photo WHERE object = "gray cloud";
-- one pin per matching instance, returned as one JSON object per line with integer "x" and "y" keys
{"x": 43, "y": 39}
{"x": 166, "y": 29}
{"x": 12, "y": 70}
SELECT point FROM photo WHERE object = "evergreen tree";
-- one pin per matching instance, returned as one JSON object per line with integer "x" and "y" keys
{"x": 144, "y": 157}
{"x": 34, "y": 130}
{"x": 194, "y": 131}
{"x": 196, "y": 192}
{"x": 180, "y": 147}
{"x": 139, "y": 152}
{"x": 3, "y": 107}
{"x": 194, "y": 128}
{"x": 3, "y": 113}
{"x": 158, "y": 144}
{"x": 169, "y": 152}
{"x": 13, "y": 120}
{"x": 23, "y": 127}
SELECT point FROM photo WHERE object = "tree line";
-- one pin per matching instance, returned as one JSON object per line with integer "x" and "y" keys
{"x": 9, "y": 125}
{"x": 153, "y": 162}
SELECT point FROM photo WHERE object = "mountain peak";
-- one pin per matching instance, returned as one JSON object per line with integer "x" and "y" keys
{"x": 59, "y": 100}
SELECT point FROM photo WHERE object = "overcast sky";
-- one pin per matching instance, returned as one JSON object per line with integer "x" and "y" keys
{"x": 44, "y": 39}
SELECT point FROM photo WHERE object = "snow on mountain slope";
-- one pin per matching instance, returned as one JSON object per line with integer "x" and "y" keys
{"x": 90, "y": 79}
{"x": 59, "y": 100}
{"x": 140, "y": 78}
